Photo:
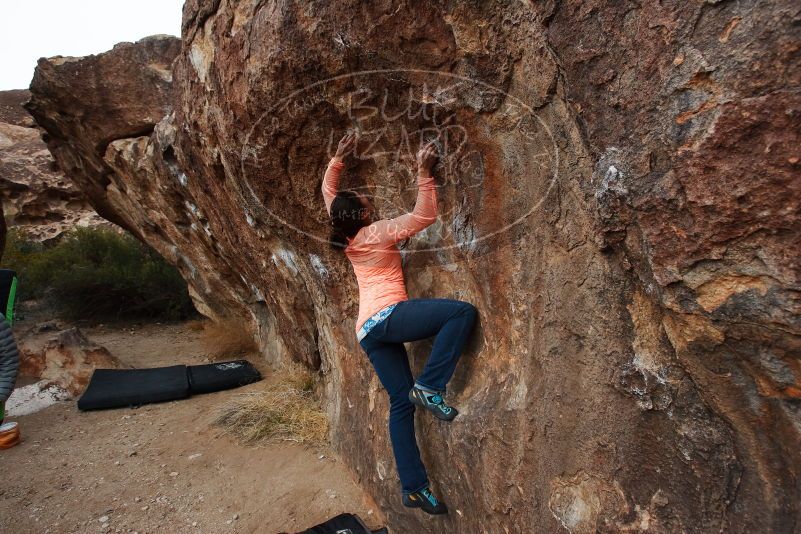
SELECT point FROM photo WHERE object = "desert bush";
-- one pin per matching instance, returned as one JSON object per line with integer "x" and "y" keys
{"x": 227, "y": 339}
{"x": 287, "y": 409}
{"x": 97, "y": 273}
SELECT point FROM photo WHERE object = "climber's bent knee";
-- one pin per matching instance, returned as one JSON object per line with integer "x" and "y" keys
{"x": 470, "y": 309}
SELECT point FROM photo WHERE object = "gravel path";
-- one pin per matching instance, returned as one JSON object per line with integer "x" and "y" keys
{"x": 163, "y": 468}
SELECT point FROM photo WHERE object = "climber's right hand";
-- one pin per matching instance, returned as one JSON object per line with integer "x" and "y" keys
{"x": 346, "y": 144}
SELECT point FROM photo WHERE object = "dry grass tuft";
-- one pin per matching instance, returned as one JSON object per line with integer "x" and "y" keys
{"x": 286, "y": 410}
{"x": 299, "y": 378}
{"x": 196, "y": 325}
{"x": 227, "y": 339}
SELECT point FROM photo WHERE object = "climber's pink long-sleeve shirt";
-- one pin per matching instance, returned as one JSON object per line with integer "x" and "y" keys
{"x": 373, "y": 251}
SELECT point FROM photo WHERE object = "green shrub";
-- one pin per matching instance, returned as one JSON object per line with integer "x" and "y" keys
{"x": 97, "y": 273}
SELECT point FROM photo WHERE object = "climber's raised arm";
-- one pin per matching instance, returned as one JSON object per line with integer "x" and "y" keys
{"x": 391, "y": 231}
{"x": 335, "y": 166}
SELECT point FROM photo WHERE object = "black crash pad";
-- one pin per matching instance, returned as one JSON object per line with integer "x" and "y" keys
{"x": 220, "y": 376}
{"x": 115, "y": 388}
{"x": 342, "y": 524}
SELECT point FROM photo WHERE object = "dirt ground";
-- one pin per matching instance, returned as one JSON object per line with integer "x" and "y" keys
{"x": 163, "y": 467}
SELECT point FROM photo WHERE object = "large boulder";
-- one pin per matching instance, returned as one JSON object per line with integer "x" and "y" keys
{"x": 35, "y": 195}
{"x": 619, "y": 196}
{"x": 95, "y": 100}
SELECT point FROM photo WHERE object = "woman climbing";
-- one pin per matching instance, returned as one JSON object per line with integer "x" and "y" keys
{"x": 388, "y": 318}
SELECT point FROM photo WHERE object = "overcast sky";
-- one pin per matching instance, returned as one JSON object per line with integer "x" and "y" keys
{"x": 32, "y": 29}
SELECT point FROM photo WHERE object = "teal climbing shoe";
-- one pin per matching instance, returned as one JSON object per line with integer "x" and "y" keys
{"x": 433, "y": 402}
{"x": 424, "y": 499}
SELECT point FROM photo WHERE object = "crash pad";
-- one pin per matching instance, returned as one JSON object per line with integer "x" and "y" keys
{"x": 220, "y": 376}
{"x": 115, "y": 388}
{"x": 342, "y": 524}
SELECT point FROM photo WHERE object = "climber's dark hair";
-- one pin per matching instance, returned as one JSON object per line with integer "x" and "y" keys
{"x": 347, "y": 218}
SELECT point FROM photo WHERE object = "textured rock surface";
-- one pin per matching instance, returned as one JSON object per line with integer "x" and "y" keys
{"x": 67, "y": 358}
{"x": 619, "y": 197}
{"x": 35, "y": 194}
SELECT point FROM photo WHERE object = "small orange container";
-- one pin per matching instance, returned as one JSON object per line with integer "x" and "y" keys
{"x": 9, "y": 435}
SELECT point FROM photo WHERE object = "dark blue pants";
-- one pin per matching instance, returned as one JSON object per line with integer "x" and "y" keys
{"x": 451, "y": 321}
